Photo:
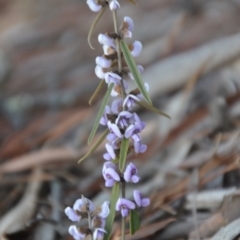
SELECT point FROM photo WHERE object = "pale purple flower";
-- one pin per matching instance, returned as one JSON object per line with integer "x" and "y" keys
{"x": 80, "y": 205}
{"x": 116, "y": 106}
{"x": 98, "y": 233}
{"x": 104, "y": 118}
{"x": 110, "y": 155}
{"x": 136, "y": 48}
{"x": 99, "y": 72}
{"x": 134, "y": 129}
{"x": 114, "y": 4}
{"x": 123, "y": 119}
{"x": 103, "y": 62}
{"x": 98, "y": 222}
{"x": 104, "y": 210}
{"x": 140, "y": 201}
{"x": 139, "y": 147}
{"x": 107, "y": 50}
{"x": 124, "y": 205}
{"x": 75, "y": 232}
{"x": 140, "y": 69}
{"x": 115, "y": 91}
{"x": 130, "y": 174}
{"x": 110, "y": 175}
{"x": 127, "y": 27}
{"x": 94, "y": 6}
{"x": 111, "y": 77}
{"x": 130, "y": 100}
{"x": 106, "y": 40}
{"x": 113, "y": 128}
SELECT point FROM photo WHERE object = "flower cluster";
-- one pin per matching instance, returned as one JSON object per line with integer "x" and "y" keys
{"x": 84, "y": 208}
{"x": 119, "y": 118}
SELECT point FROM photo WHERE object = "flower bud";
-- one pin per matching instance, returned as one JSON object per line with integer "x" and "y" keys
{"x": 114, "y": 5}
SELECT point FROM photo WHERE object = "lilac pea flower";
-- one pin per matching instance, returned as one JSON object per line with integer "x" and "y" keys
{"x": 72, "y": 215}
{"x": 113, "y": 128}
{"x": 116, "y": 106}
{"x": 94, "y": 6}
{"x": 133, "y": 130}
{"x": 136, "y": 48}
{"x": 127, "y": 27}
{"x": 140, "y": 201}
{"x": 139, "y": 147}
{"x": 124, "y": 205}
{"x": 106, "y": 40}
{"x": 103, "y": 62}
{"x": 140, "y": 69}
{"x": 107, "y": 50}
{"x": 104, "y": 119}
{"x": 123, "y": 119}
{"x": 110, "y": 155}
{"x": 128, "y": 23}
{"x": 118, "y": 88}
{"x": 113, "y": 5}
{"x": 99, "y": 72}
{"x": 110, "y": 175}
{"x": 77, "y": 235}
{"x": 111, "y": 77}
{"x": 130, "y": 174}
{"x": 130, "y": 100}
{"x": 83, "y": 204}
{"x": 104, "y": 210}
{"x": 98, "y": 233}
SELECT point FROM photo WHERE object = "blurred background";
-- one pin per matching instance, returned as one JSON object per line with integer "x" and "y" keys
{"x": 191, "y": 56}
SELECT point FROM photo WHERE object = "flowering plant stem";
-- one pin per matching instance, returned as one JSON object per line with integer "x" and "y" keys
{"x": 123, "y": 218}
{"x": 123, "y": 97}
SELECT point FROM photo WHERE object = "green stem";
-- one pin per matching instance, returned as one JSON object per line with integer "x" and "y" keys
{"x": 123, "y": 218}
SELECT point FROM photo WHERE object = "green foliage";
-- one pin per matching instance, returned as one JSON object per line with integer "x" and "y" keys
{"x": 100, "y": 113}
{"x": 95, "y": 146}
{"x": 134, "y": 221}
{"x": 135, "y": 72}
{"x": 152, "y": 108}
{"x": 123, "y": 153}
{"x": 111, "y": 216}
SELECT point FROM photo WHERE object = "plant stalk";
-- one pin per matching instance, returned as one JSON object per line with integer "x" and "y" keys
{"x": 123, "y": 218}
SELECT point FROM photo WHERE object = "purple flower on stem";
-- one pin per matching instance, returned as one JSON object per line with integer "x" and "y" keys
{"x": 107, "y": 50}
{"x": 116, "y": 106}
{"x": 136, "y": 48}
{"x": 123, "y": 119}
{"x": 139, "y": 147}
{"x": 124, "y": 205}
{"x": 127, "y": 27}
{"x": 75, "y": 232}
{"x": 113, "y": 5}
{"x": 104, "y": 118}
{"x": 110, "y": 175}
{"x": 81, "y": 205}
{"x": 99, "y": 72}
{"x": 130, "y": 174}
{"x": 103, "y": 62}
{"x": 140, "y": 201}
{"x": 130, "y": 100}
{"x": 94, "y": 6}
{"x": 98, "y": 233}
{"x": 106, "y": 40}
{"x": 111, "y": 77}
{"x": 113, "y": 128}
{"x": 110, "y": 155}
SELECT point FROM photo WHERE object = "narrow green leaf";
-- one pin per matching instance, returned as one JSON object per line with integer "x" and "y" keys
{"x": 99, "y": 87}
{"x": 95, "y": 146}
{"x": 134, "y": 221}
{"x": 152, "y": 108}
{"x": 123, "y": 153}
{"x": 93, "y": 26}
{"x": 100, "y": 113}
{"x": 135, "y": 72}
{"x": 111, "y": 216}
